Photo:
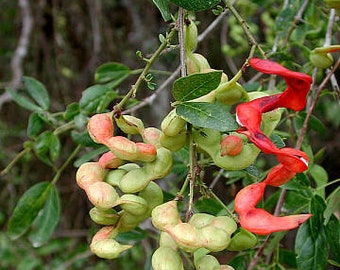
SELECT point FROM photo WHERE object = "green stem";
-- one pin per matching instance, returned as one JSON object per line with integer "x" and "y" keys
{"x": 63, "y": 128}
{"x": 65, "y": 164}
{"x": 244, "y": 26}
{"x": 15, "y": 160}
{"x": 145, "y": 71}
{"x": 328, "y": 184}
{"x": 230, "y": 213}
{"x": 192, "y": 172}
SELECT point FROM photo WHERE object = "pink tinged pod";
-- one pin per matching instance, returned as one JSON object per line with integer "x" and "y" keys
{"x": 109, "y": 160}
{"x": 89, "y": 173}
{"x": 100, "y": 127}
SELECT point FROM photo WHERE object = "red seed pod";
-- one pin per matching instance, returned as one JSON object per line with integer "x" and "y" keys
{"x": 146, "y": 152}
{"x": 231, "y": 145}
{"x": 109, "y": 161}
{"x": 89, "y": 173}
{"x": 100, "y": 127}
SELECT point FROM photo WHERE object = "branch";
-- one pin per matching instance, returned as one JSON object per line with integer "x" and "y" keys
{"x": 20, "y": 51}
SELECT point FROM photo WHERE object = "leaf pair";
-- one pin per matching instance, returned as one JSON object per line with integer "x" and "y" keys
{"x": 201, "y": 114}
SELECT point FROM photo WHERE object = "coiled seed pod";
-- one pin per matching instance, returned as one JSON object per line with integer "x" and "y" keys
{"x": 176, "y": 142}
{"x": 134, "y": 181}
{"x": 214, "y": 239}
{"x": 165, "y": 215}
{"x": 107, "y": 232}
{"x": 123, "y": 148}
{"x": 242, "y": 240}
{"x": 196, "y": 63}
{"x": 153, "y": 195}
{"x": 104, "y": 217}
{"x": 186, "y": 236}
{"x": 146, "y": 152}
{"x": 172, "y": 124}
{"x": 200, "y": 220}
{"x": 129, "y": 124}
{"x": 165, "y": 240}
{"x": 108, "y": 248}
{"x": 225, "y": 223}
{"x": 132, "y": 204}
{"x": 89, "y": 173}
{"x": 113, "y": 177}
{"x": 166, "y": 258}
{"x": 152, "y": 135}
{"x": 207, "y": 262}
{"x": 161, "y": 166}
{"x": 109, "y": 161}
{"x": 100, "y": 127}
{"x": 102, "y": 195}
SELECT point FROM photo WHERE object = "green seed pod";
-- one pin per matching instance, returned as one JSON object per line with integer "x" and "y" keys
{"x": 165, "y": 258}
{"x": 106, "y": 232}
{"x": 161, "y": 166}
{"x": 153, "y": 195}
{"x": 225, "y": 223}
{"x": 200, "y": 220}
{"x": 134, "y": 181}
{"x": 226, "y": 267}
{"x": 104, "y": 217}
{"x": 321, "y": 60}
{"x": 152, "y": 135}
{"x": 165, "y": 216}
{"x": 123, "y": 148}
{"x": 176, "y": 142}
{"x": 128, "y": 222}
{"x": 187, "y": 237}
{"x": 190, "y": 35}
{"x": 196, "y": 63}
{"x": 242, "y": 240}
{"x": 102, "y": 195}
{"x": 205, "y": 138}
{"x": 113, "y": 177}
{"x": 165, "y": 240}
{"x": 214, "y": 239}
{"x": 108, "y": 248}
{"x": 172, "y": 124}
{"x": 129, "y": 166}
{"x": 89, "y": 173}
{"x": 129, "y": 124}
{"x": 230, "y": 93}
{"x": 207, "y": 262}
{"x": 133, "y": 204}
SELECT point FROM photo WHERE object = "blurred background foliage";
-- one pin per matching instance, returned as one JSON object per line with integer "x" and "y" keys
{"x": 70, "y": 39}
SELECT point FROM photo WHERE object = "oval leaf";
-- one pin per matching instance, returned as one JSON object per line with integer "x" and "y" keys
{"x": 163, "y": 7}
{"x": 47, "y": 220}
{"x": 111, "y": 72}
{"x": 196, "y": 85}
{"x": 35, "y": 124}
{"x": 207, "y": 115}
{"x": 38, "y": 92}
{"x": 92, "y": 97}
{"x": 27, "y": 209}
{"x": 23, "y": 101}
{"x": 196, "y": 5}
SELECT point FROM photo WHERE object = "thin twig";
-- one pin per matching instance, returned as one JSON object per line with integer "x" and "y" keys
{"x": 20, "y": 51}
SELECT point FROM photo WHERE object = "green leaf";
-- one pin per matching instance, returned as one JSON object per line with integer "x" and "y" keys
{"x": 277, "y": 140}
{"x": 55, "y": 146}
{"x": 83, "y": 138}
{"x": 333, "y": 205}
{"x": 196, "y": 5}
{"x": 42, "y": 147}
{"x": 23, "y": 101}
{"x": 38, "y": 92}
{"x": 320, "y": 177}
{"x": 163, "y": 7}
{"x": 333, "y": 237}
{"x": 47, "y": 220}
{"x": 207, "y": 115}
{"x": 196, "y": 85}
{"x": 35, "y": 124}
{"x": 111, "y": 72}
{"x": 92, "y": 97}
{"x": 71, "y": 111}
{"x": 311, "y": 244}
{"x": 27, "y": 209}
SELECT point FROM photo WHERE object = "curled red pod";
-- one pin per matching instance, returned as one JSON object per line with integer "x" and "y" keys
{"x": 279, "y": 175}
{"x": 260, "y": 221}
{"x": 293, "y": 159}
{"x": 298, "y": 84}
{"x": 248, "y": 197}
